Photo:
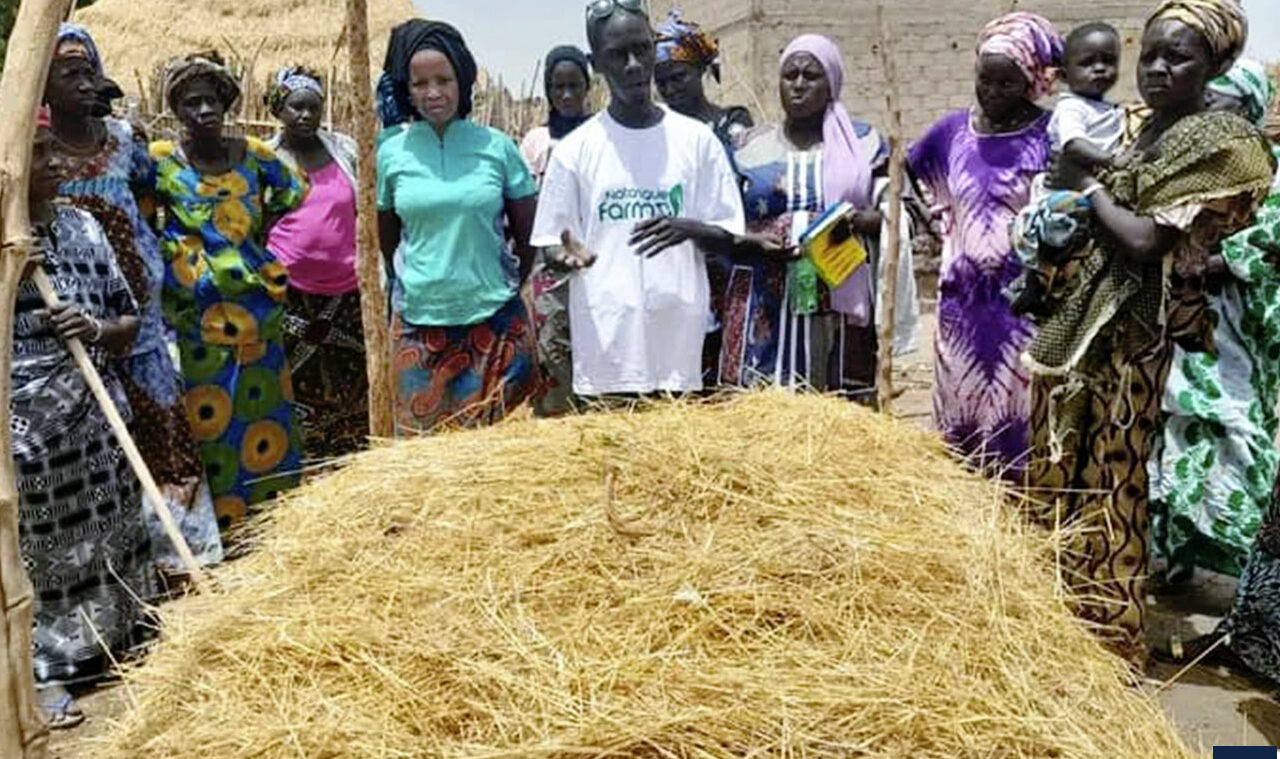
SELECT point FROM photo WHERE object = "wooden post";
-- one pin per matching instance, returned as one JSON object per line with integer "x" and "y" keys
{"x": 373, "y": 300}
{"x": 23, "y": 732}
{"x": 892, "y": 252}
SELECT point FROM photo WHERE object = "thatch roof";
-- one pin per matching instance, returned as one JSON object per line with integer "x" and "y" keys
{"x": 139, "y": 35}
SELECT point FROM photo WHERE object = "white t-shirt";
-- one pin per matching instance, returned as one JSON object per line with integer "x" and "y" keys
{"x": 1096, "y": 121}
{"x": 637, "y": 324}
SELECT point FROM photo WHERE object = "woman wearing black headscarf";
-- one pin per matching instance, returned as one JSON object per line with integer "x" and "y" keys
{"x": 463, "y": 343}
{"x": 567, "y": 82}
{"x": 567, "y": 79}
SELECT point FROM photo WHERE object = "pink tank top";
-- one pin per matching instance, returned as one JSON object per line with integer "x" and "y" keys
{"x": 317, "y": 242}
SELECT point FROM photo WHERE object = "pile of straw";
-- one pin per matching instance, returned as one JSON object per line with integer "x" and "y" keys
{"x": 774, "y": 575}
{"x": 139, "y": 36}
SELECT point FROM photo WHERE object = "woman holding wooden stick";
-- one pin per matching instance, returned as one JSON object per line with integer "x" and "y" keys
{"x": 83, "y": 537}
{"x": 224, "y": 293}
{"x": 106, "y": 171}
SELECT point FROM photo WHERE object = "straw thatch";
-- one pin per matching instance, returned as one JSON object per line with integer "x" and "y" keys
{"x": 137, "y": 36}
{"x": 774, "y": 575}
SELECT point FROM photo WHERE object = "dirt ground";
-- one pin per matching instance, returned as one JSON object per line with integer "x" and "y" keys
{"x": 1210, "y": 706}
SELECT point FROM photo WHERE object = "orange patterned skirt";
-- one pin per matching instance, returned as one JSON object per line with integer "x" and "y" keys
{"x": 466, "y": 376}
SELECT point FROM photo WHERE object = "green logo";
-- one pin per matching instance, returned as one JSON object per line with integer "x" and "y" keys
{"x": 633, "y": 204}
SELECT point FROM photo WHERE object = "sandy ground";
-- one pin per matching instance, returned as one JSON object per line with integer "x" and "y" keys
{"x": 1211, "y": 707}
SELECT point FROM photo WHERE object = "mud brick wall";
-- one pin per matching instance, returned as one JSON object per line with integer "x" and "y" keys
{"x": 934, "y": 46}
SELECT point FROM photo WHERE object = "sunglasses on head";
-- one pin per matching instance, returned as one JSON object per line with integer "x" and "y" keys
{"x": 601, "y": 9}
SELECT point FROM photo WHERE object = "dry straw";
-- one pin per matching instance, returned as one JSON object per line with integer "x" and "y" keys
{"x": 770, "y": 576}
{"x": 139, "y": 36}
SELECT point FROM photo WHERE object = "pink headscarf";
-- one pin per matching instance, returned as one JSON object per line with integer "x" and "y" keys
{"x": 846, "y": 167}
{"x": 1031, "y": 42}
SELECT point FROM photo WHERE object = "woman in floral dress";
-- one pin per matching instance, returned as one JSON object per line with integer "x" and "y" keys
{"x": 224, "y": 293}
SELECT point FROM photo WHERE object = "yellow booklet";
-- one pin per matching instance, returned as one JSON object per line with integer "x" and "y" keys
{"x": 828, "y": 242}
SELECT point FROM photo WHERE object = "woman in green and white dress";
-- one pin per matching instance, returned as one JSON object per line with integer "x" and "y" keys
{"x": 1213, "y": 468}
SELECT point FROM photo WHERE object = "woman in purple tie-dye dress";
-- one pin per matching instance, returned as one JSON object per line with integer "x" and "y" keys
{"x": 978, "y": 167}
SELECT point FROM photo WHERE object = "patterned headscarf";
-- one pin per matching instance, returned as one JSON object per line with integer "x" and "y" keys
{"x": 181, "y": 72}
{"x": 74, "y": 41}
{"x": 288, "y": 80}
{"x": 1248, "y": 81}
{"x": 1031, "y": 42}
{"x": 682, "y": 41}
{"x": 1222, "y": 23}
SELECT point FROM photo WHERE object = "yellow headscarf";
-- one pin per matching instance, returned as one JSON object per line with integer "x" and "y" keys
{"x": 1222, "y": 23}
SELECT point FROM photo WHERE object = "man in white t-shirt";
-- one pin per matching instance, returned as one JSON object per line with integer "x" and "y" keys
{"x": 623, "y": 198}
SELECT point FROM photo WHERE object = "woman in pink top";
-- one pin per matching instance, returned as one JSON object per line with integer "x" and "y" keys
{"x": 317, "y": 244}
{"x": 567, "y": 78}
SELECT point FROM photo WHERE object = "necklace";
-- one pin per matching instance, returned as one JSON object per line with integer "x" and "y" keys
{"x": 97, "y": 136}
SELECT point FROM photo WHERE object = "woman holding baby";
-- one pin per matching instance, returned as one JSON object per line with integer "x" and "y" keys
{"x": 1122, "y": 302}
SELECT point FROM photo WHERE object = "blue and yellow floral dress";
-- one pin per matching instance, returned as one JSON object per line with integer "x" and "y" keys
{"x": 224, "y": 295}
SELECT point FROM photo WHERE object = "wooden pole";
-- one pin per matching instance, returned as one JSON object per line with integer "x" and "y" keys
{"x": 892, "y": 252}
{"x": 23, "y": 731}
{"x": 373, "y": 300}
{"x": 118, "y": 426}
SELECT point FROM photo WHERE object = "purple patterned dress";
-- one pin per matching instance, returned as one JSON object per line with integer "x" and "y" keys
{"x": 981, "y": 395}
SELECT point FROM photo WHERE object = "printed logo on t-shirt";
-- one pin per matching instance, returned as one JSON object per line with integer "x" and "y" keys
{"x": 633, "y": 204}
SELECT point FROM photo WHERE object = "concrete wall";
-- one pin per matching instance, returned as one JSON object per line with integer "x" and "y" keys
{"x": 934, "y": 46}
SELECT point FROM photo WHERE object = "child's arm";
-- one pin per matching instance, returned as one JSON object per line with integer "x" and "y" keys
{"x": 1085, "y": 154}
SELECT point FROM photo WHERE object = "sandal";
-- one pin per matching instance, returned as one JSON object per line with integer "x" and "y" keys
{"x": 1210, "y": 650}
{"x": 60, "y": 708}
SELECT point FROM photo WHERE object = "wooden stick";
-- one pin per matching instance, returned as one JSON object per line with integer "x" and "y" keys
{"x": 892, "y": 252}
{"x": 23, "y": 731}
{"x": 149, "y": 487}
{"x": 328, "y": 101}
{"x": 142, "y": 89}
{"x": 373, "y": 299}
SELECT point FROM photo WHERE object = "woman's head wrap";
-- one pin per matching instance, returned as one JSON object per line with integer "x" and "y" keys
{"x": 558, "y": 123}
{"x": 1030, "y": 41}
{"x": 183, "y": 71}
{"x": 1249, "y": 82}
{"x": 1222, "y": 23}
{"x": 682, "y": 41}
{"x": 847, "y": 172}
{"x": 564, "y": 54}
{"x": 74, "y": 41}
{"x": 395, "y": 105}
{"x": 288, "y": 80}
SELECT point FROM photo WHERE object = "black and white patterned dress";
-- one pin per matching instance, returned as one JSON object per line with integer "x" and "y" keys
{"x": 1254, "y": 619}
{"x": 83, "y": 538}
